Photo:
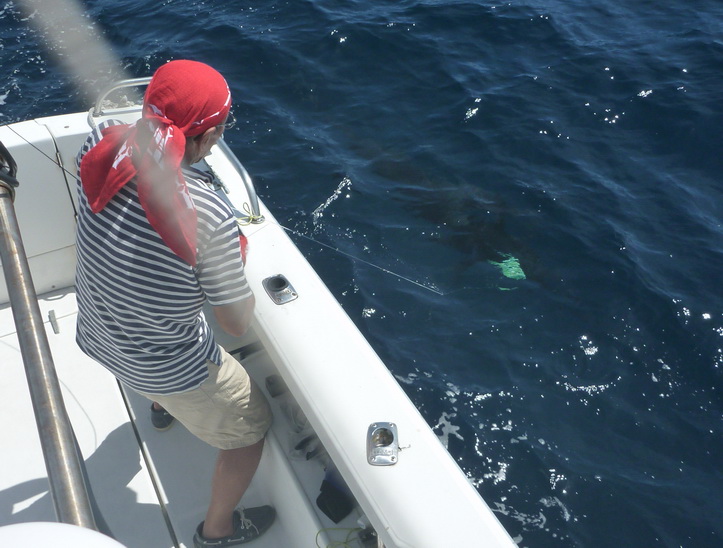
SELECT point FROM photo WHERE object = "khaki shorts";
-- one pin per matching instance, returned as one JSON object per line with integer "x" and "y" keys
{"x": 227, "y": 411}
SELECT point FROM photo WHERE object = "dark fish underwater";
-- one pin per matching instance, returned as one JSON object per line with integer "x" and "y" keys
{"x": 472, "y": 221}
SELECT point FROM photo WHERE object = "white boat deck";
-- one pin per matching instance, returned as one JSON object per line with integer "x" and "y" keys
{"x": 151, "y": 487}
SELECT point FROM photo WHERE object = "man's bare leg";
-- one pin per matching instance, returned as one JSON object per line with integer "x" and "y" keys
{"x": 233, "y": 473}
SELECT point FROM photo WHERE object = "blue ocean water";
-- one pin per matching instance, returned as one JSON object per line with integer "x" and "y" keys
{"x": 526, "y": 199}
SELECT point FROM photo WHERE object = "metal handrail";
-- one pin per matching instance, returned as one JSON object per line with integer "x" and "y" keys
{"x": 256, "y": 216}
{"x": 65, "y": 469}
{"x": 97, "y": 110}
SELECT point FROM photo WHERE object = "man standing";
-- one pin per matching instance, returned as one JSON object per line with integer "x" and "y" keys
{"x": 154, "y": 242}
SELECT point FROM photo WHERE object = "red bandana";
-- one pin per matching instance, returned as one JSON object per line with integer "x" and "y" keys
{"x": 184, "y": 99}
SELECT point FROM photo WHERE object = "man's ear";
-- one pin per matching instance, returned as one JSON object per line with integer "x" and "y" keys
{"x": 206, "y": 135}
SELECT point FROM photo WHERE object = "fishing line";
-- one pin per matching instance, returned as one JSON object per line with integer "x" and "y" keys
{"x": 55, "y": 161}
{"x": 428, "y": 287}
{"x": 359, "y": 259}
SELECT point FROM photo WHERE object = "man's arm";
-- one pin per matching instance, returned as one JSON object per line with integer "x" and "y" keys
{"x": 235, "y": 318}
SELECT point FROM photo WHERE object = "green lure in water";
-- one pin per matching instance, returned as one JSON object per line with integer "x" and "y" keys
{"x": 510, "y": 267}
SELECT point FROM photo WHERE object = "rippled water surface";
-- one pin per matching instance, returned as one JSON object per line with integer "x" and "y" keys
{"x": 519, "y": 204}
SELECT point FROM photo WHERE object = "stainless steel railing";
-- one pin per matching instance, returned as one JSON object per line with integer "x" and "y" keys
{"x": 62, "y": 460}
{"x": 255, "y": 216}
{"x": 97, "y": 109}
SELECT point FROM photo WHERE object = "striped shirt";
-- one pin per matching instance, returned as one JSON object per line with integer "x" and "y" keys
{"x": 139, "y": 305}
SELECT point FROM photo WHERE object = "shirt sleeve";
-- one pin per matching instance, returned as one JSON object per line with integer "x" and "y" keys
{"x": 220, "y": 269}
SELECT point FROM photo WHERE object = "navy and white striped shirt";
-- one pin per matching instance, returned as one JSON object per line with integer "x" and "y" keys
{"x": 139, "y": 305}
